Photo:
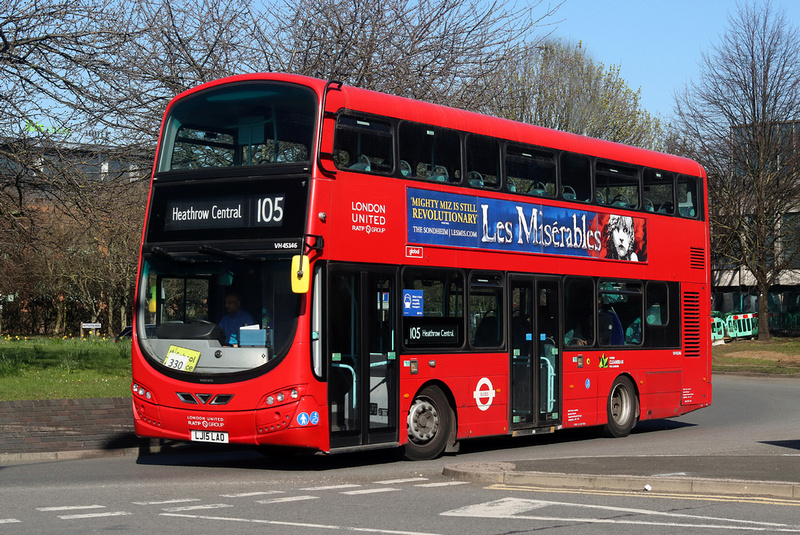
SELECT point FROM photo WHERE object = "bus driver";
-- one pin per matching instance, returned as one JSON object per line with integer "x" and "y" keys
{"x": 234, "y": 319}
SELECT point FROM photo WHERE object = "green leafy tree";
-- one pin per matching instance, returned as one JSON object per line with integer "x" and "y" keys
{"x": 559, "y": 85}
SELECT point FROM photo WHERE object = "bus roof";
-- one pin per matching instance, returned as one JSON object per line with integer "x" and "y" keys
{"x": 376, "y": 103}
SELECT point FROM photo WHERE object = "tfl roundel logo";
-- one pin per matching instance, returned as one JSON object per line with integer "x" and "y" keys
{"x": 484, "y": 394}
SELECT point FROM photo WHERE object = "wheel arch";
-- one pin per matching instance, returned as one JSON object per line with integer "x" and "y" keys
{"x": 452, "y": 439}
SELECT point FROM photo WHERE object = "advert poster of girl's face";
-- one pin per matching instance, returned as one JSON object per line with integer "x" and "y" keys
{"x": 624, "y": 238}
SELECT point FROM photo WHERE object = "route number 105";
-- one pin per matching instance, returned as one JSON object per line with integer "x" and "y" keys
{"x": 269, "y": 210}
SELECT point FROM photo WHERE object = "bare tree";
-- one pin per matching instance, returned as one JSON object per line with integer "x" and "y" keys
{"x": 559, "y": 85}
{"x": 735, "y": 121}
{"x": 439, "y": 51}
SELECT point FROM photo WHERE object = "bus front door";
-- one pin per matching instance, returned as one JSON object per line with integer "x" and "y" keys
{"x": 362, "y": 360}
{"x": 535, "y": 352}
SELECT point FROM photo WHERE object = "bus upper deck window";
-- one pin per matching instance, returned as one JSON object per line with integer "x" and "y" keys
{"x": 530, "y": 171}
{"x": 689, "y": 196}
{"x": 617, "y": 185}
{"x": 659, "y": 191}
{"x": 576, "y": 178}
{"x": 483, "y": 162}
{"x": 429, "y": 153}
{"x": 241, "y": 124}
{"x": 363, "y": 144}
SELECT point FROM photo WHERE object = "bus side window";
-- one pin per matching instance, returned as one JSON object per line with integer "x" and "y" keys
{"x": 429, "y": 153}
{"x": 576, "y": 178}
{"x": 657, "y": 310}
{"x": 662, "y": 315}
{"x": 486, "y": 310}
{"x": 616, "y": 185}
{"x": 659, "y": 191}
{"x": 363, "y": 144}
{"x": 619, "y": 314}
{"x": 530, "y": 171}
{"x": 433, "y": 308}
{"x": 689, "y": 196}
{"x": 483, "y": 162}
{"x": 579, "y": 311}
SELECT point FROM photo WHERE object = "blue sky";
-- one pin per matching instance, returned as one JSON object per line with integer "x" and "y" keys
{"x": 656, "y": 43}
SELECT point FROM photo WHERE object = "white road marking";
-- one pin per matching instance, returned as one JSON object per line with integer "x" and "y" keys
{"x": 248, "y": 494}
{"x": 331, "y": 487}
{"x": 93, "y": 515}
{"x": 442, "y": 484}
{"x": 9, "y": 521}
{"x": 398, "y": 481}
{"x": 368, "y": 491}
{"x": 167, "y": 502}
{"x": 288, "y": 499}
{"x": 197, "y": 507}
{"x": 512, "y": 507}
{"x": 299, "y": 524}
{"x": 70, "y": 508}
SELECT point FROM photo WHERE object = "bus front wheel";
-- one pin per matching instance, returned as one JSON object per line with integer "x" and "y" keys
{"x": 429, "y": 422}
{"x": 622, "y": 408}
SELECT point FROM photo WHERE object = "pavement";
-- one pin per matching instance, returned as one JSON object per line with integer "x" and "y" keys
{"x": 772, "y": 476}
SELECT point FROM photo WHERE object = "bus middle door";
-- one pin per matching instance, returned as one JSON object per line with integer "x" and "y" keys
{"x": 535, "y": 351}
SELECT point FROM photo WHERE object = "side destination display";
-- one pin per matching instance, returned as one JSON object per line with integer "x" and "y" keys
{"x": 455, "y": 220}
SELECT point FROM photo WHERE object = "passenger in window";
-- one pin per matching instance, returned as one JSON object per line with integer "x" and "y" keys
{"x": 609, "y": 327}
{"x": 621, "y": 238}
{"x": 236, "y": 318}
{"x": 581, "y": 332}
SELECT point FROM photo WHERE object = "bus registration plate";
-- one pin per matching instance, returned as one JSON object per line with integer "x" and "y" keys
{"x": 209, "y": 436}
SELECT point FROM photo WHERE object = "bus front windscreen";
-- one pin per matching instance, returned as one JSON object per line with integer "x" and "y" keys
{"x": 215, "y": 316}
{"x": 235, "y": 125}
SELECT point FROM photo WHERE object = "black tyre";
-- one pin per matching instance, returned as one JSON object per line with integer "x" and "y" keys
{"x": 622, "y": 408}
{"x": 430, "y": 420}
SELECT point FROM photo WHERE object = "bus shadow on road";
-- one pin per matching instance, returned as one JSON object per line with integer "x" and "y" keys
{"x": 248, "y": 457}
{"x": 791, "y": 444}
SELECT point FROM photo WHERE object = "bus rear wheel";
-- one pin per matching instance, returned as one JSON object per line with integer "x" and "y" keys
{"x": 429, "y": 422}
{"x": 622, "y": 408}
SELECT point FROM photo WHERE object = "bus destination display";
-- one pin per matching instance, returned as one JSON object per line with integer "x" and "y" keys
{"x": 227, "y": 212}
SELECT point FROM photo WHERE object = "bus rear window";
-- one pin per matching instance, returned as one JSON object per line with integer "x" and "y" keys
{"x": 238, "y": 125}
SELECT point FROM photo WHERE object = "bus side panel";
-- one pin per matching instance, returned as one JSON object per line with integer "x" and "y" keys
{"x": 480, "y": 401}
{"x": 581, "y": 397}
{"x": 660, "y": 394}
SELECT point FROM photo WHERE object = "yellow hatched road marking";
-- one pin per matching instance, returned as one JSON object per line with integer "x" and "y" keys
{"x": 662, "y": 495}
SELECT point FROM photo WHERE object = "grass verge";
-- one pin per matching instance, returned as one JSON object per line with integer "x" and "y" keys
{"x": 779, "y": 356}
{"x": 47, "y": 368}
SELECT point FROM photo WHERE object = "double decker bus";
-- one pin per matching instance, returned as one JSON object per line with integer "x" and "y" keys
{"x": 330, "y": 268}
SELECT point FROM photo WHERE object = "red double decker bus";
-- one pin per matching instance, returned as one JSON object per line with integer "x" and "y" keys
{"x": 330, "y": 268}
